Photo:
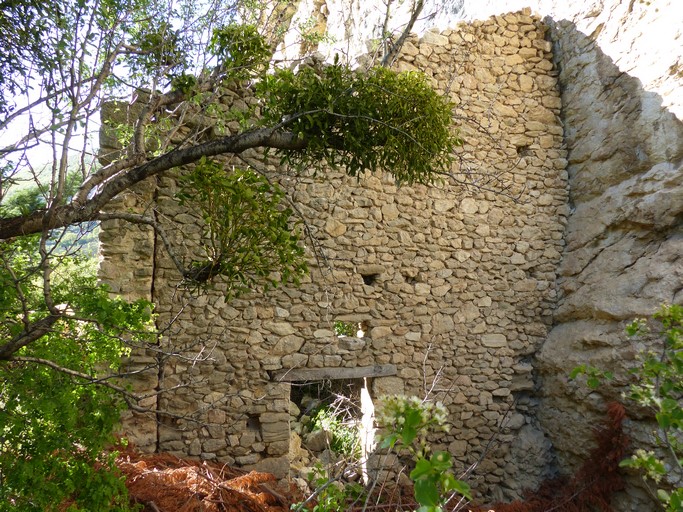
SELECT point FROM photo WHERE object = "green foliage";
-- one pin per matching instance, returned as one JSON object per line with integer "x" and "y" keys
{"x": 331, "y": 496}
{"x": 249, "y": 234}
{"x": 345, "y": 436}
{"x": 54, "y": 425}
{"x": 659, "y": 386}
{"x": 433, "y": 480}
{"x": 242, "y": 51}
{"x": 406, "y": 421}
{"x": 24, "y": 200}
{"x": 28, "y": 199}
{"x": 345, "y": 328}
{"x": 594, "y": 376}
{"x": 24, "y": 28}
{"x": 158, "y": 48}
{"x": 363, "y": 121}
{"x": 184, "y": 83}
{"x": 409, "y": 420}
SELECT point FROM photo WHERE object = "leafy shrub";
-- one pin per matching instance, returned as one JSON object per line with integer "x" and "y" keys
{"x": 345, "y": 438}
{"x": 406, "y": 422}
{"x": 659, "y": 387}
{"x": 248, "y": 234}
{"x": 363, "y": 121}
{"x": 329, "y": 494}
{"x": 55, "y": 421}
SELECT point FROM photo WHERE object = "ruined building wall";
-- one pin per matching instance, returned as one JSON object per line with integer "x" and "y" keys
{"x": 452, "y": 284}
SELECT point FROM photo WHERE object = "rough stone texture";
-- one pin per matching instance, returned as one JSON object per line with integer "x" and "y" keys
{"x": 643, "y": 38}
{"x": 463, "y": 287}
{"x": 622, "y": 82}
{"x": 467, "y": 279}
{"x": 624, "y": 240}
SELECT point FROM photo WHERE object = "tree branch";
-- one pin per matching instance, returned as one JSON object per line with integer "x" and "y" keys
{"x": 90, "y": 209}
{"x": 395, "y": 48}
{"x": 37, "y": 330}
{"x": 130, "y": 398}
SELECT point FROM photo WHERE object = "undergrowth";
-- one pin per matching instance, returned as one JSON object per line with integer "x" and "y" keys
{"x": 592, "y": 486}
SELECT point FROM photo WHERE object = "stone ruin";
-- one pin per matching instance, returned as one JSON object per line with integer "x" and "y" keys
{"x": 456, "y": 288}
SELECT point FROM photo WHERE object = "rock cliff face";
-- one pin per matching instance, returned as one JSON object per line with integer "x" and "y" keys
{"x": 624, "y": 239}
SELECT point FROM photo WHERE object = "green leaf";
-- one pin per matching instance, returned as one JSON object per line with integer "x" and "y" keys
{"x": 422, "y": 468}
{"x": 593, "y": 382}
{"x": 451, "y": 484}
{"x": 441, "y": 461}
{"x": 663, "y": 496}
{"x": 426, "y": 493}
{"x": 578, "y": 370}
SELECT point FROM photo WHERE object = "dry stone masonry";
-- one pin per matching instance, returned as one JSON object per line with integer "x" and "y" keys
{"x": 453, "y": 285}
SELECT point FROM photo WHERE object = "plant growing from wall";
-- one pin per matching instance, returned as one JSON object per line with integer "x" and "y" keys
{"x": 406, "y": 422}
{"x": 362, "y": 121}
{"x": 250, "y": 239}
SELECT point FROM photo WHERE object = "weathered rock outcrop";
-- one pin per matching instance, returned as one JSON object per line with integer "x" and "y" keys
{"x": 624, "y": 239}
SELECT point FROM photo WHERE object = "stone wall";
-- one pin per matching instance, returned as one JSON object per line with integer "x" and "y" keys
{"x": 453, "y": 284}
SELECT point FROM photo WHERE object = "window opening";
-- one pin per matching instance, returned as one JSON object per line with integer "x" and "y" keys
{"x": 353, "y": 329}
{"x": 253, "y": 422}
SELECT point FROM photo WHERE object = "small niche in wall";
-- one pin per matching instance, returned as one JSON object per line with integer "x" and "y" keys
{"x": 370, "y": 273}
{"x": 523, "y": 151}
{"x": 369, "y": 279}
{"x": 411, "y": 279}
{"x": 253, "y": 422}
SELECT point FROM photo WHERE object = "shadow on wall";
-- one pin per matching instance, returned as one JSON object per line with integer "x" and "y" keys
{"x": 624, "y": 241}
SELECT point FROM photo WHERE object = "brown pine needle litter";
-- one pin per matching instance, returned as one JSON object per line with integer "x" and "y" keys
{"x": 165, "y": 483}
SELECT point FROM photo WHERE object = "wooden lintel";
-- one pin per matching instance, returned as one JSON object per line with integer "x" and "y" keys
{"x": 313, "y": 374}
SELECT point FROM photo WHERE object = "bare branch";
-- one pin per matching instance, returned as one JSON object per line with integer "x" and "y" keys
{"x": 395, "y": 48}
{"x": 131, "y": 398}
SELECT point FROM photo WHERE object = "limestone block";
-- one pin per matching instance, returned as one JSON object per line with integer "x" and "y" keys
{"x": 334, "y": 227}
{"x": 370, "y": 269}
{"x": 434, "y": 38}
{"x": 288, "y": 344}
{"x": 380, "y": 332}
{"x": 442, "y": 323}
{"x": 213, "y": 445}
{"x": 494, "y": 340}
